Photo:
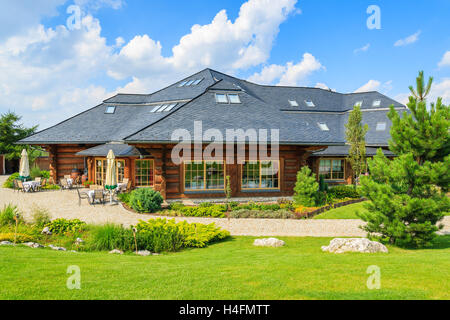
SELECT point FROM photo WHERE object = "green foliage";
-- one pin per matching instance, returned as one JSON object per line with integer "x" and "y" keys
{"x": 177, "y": 206}
{"x": 9, "y": 183}
{"x": 262, "y": 214}
{"x": 125, "y": 197}
{"x": 51, "y": 187}
{"x": 323, "y": 186}
{"x": 19, "y": 237}
{"x": 355, "y": 134}
{"x": 35, "y": 172}
{"x": 256, "y": 206}
{"x": 146, "y": 200}
{"x": 200, "y": 235}
{"x": 9, "y": 214}
{"x": 342, "y": 192}
{"x": 305, "y": 188}
{"x": 12, "y": 131}
{"x": 110, "y": 236}
{"x": 60, "y": 226}
{"x": 41, "y": 216}
{"x": 213, "y": 210}
{"x": 228, "y": 190}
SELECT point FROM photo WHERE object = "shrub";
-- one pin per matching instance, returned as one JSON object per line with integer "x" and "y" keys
{"x": 205, "y": 204}
{"x": 200, "y": 235}
{"x": 216, "y": 211}
{"x": 35, "y": 172}
{"x": 125, "y": 197}
{"x": 19, "y": 237}
{"x": 177, "y": 206}
{"x": 146, "y": 200}
{"x": 9, "y": 183}
{"x": 323, "y": 186}
{"x": 305, "y": 188}
{"x": 110, "y": 237}
{"x": 41, "y": 216}
{"x": 62, "y": 225}
{"x": 159, "y": 235}
{"x": 341, "y": 192}
{"x": 51, "y": 187}
{"x": 45, "y": 174}
{"x": 261, "y": 214}
{"x": 8, "y": 214}
{"x": 87, "y": 184}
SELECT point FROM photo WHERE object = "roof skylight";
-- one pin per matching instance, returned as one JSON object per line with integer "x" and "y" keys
{"x": 190, "y": 82}
{"x": 110, "y": 109}
{"x": 293, "y": 103}
{"x": 156, "y": 108}
{"x": 381, "y": 126}
{"x": 221, "y": 98}
{"x": 171, "y": 106}
{"x": 182, "y": 84}
{"x": 196, "y": 82}
{"x": 234, "y": 98}
{"x": 309, "y": 103}
{"x": 323, "y": 126}
{"x": 376, "y": 103}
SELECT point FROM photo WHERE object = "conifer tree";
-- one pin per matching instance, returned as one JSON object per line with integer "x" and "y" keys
{"x": 355, "y": 134}
{"x": 305, "y": 188}
{"x": 408, "y": 194}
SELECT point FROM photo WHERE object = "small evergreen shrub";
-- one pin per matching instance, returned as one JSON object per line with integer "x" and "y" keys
{"x": 62, "y": 225}
{"x": 146, "y": 200}
{"x": 306, "y": 188}
{"x": 342, "y": 192}
{"x": 215, "y": 211}
{"x": 125, "y": 198}
{"x": 35, "y": 172}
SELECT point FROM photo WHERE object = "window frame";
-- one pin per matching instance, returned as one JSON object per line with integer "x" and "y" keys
{"x": 376, "y": 103}
{"x": 234, "y": 95}
{"x": 110, "y": 107}
{"x": 204, "y": 189}
{"x": 151, "y": 177}
{"x": 260, "y": 176}
{"x": 382, "y": 128}
{"x": 104, "y": 168}
{"x": 320, "y": 124}
{"x": 310, "y": 104}
{"x": 331, "y": 168}
{"x": 222, "y": 94}
{"x": 293, "y": 103}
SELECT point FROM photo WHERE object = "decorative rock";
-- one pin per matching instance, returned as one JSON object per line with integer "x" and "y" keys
{"x": 340, "y": 245}
{"x": 6, "y": 243}
{"x": 33, "y": 245}
{"x": 79, "y": 241}
{"x": 116, "y": 251}
{"x": 271, "y": 242}
{"x": 46, "y": 231}
{"x": 143, "y": 253}
{"x": 57, "y": 248}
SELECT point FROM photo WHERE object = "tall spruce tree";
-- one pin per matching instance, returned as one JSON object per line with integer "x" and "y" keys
{"x": 355, "y": 134}
{"x": 408, "y": 194}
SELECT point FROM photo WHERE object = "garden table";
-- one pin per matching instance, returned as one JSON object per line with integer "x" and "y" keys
{"x": 29, "y": 186}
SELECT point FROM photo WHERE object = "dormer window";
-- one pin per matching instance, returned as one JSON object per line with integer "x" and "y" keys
{"x": 156, "y": 108}
{"x": 358, "y": 104}
{"x": 381, "y": 126}
{"x": 323, "y": 126}
{"x": 170, "y": 107}
{"x": 110, "y": 110}
{"x": 189, "y": 83}
{"x": 309, "y": 103}
{"x": 221, "y": 98}
{"x": 234, "y": 98}
{"x": 293, "y": 103}
{"x": 182, "y": 84}
{"x": 376, "y": 103}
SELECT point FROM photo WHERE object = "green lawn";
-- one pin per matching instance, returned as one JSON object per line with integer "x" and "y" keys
{"x": 347, "y": 212}
{"x": 232, "y": 269}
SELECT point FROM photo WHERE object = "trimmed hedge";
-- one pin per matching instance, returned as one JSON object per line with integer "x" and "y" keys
{"x": 342, "y": 192}
{"x": 146, "y": 200}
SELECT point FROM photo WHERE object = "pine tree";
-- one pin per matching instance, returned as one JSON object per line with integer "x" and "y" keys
{"x": 306, "y": 188}
{"x": 355, "y": 134}
{"x": 408, "y": 194}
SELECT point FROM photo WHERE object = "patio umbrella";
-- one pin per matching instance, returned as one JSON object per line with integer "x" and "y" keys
{"x": 111, "y": 177}
{"x": 24, "y": 172}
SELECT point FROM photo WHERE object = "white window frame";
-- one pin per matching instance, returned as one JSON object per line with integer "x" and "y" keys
{"x": 310, "y": 103}
{"x": 376, "y": 103}
{"x": 293, "y": 103}
{"x": 108, "y": 108}
{"x": 381, "y": 126}
{"x": 323, "y": 126}
{"x": 234, "y": 95}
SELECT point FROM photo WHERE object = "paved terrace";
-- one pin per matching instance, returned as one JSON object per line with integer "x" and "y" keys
{"x": 64, "y": 204}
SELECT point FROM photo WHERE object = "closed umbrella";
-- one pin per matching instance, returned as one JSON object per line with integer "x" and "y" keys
{"x": 111, "y": 176}
{"x": 24, "y": 172}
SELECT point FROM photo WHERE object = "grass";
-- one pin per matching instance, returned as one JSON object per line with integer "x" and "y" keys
{"x": 347, "y": 212}
{"x": 233, "y": 269}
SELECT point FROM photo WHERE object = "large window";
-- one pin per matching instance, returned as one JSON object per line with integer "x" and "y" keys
{"x": 100, "y": 171}
{"x": 144, "y": 173}
{"x": 204, "y": 175}
{"x": 332, "y": 169}
{"x": 261, "y": 175}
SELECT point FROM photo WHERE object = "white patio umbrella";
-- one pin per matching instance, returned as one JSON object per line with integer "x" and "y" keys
{"x": 111, "y": 176}
{"x": 24, "y": 172}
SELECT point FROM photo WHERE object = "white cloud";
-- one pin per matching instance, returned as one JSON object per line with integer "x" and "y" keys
{"x": 93, "y": 5}
{"x": 371, "y": 85}
{"x": 291, "y": 74}
{"x": 440, "y": 89}
{"x": 321, "y": 85}
{"x": 363, "y": 49}
{"x": 402, "y": 98}
{"x": 445, "y": 62}
{"x": 408, "y": 40}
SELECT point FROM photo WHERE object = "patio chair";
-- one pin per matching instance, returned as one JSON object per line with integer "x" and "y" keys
{"x": 16, "y": 185}
{"x": 20, "y": 186}
{"x": 64, "y": 184}
{"x": 38, "y": 187}
{"x": 82, "y": 195}
{"x": 98, "y": 196}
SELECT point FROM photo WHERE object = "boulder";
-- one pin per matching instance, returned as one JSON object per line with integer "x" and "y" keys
{"x": 143, "y": 253}
{"x": 116, "y": 251}
{"x": 33, "y": 245}
{"x": 271, "y": 242}
{"x": 46, "y": 231}
{"x": 6, "y": 243}
{"x": 57, "y": 248}
{"x": 341, "y": 245}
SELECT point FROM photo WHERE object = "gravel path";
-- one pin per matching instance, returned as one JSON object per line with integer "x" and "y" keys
{"x": 64, "y": 204}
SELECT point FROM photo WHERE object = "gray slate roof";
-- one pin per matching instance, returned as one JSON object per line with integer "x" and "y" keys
{"x": 119, "y": 149}
{"x": 335, "y": 151}
{"x": 262, "y": 107}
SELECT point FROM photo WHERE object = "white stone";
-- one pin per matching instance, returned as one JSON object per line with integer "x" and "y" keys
{"x": 79, "y": 241}
{"x": 57, "y": 248}
{"x": 46, "y": 231}
{"x": 33, "y": 245}
{"x": 6, "y": 243}
{"x": 116, "y": 251}
{"x": 143, "y": 253}
{"x": 270, "y": 242}
{"x": 341, "y": 245}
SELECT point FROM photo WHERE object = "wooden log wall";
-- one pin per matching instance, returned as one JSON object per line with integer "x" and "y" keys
{"x": 62, "y": 159}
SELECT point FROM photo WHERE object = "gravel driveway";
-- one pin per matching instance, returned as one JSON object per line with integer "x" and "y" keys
{"x": 64, "y": 204}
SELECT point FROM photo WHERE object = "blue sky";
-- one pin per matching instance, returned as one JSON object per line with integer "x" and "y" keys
{"x": 49, "y": 72}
